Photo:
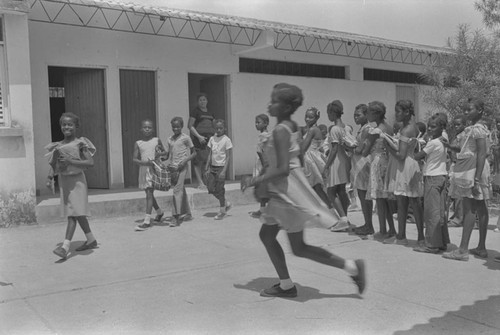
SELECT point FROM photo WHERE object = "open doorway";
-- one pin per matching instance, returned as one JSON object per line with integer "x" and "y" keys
{"x": 216, "y": 87}
{"x": 81, "y": 91}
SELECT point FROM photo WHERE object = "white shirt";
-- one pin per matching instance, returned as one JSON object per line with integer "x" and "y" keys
{"x": 435, "y": 161}
{"x": 219, "y": 145}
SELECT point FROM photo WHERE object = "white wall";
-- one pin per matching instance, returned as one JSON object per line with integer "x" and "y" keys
{"x": 173, "y": 59}
{"x": 17, "y": 163}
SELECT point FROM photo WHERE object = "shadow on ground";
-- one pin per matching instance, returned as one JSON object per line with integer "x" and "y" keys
{"x": 305, "y": 293}
{"x": 485, "y": 314}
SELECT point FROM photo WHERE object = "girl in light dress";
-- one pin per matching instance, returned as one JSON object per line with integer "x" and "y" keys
{"x": 361, "y": 170}
{"x": 314, "y": 163}
{"x": 408, "y": 183}
{"x": 338, "y": 164}
{"x": 376, "y": 148}
{"x": 68, "y": 159}
{"x": 261, "y": 124}
{"x": 474, "y": 192}
{"x": 293, "y": 202}
{"x": 146, "y": 151}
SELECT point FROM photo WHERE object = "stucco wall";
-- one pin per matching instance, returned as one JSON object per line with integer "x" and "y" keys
{"x": 173, "y": 59}
{"x": 17, "y": 163}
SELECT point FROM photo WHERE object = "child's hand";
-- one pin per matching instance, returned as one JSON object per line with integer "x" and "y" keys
{"x": 64, "y": 161}
{"x": 202, "y": 139}
{"x": 475, "y": 189}
{"x": 245, "y": 183}
{"x": 444, "y": 141}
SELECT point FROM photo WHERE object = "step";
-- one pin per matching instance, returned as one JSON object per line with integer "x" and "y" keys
{"x": 134, "y": 202}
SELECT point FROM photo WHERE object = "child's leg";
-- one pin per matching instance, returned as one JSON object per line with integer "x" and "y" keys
{"x": 403, "y": 203}
{"x": 318, "y": 188}
{"x": 367, "y": 207}
{"x": 268, "y": 235}
{"x": 343, "y": 197}
{"x": 337, "y": 205}
{"x": 382, "y": 214}
{"x": 70, "y": 231}
{"x": 418, "y": 214}
{"x": 391, "y": 207}
{"x": 354, "y": 268}
{"x": 469, "y": 219}
{"x": 482, "y": 212}
{"x": 91, "y": 242}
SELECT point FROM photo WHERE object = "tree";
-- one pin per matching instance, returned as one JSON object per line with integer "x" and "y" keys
{"x": 472, "y": 71}
{"x": 491, "y": 12}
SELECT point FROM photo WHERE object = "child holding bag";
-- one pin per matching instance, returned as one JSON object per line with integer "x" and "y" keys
{"x": 145, "y": 152}
{"x": 68, "y": 159}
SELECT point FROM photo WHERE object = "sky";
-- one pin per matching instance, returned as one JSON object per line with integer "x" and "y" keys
{"x": 428, "y": 22}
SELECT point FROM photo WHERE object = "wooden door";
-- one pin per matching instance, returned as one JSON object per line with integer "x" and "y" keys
{"x": 138, "y": 102}
{"x": 84, "y": 96}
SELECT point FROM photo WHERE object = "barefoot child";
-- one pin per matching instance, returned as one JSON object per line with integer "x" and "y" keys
{"x": 68, "y": 159}
{"x": 261, "y": 123}
{"x": 180, "y": 151}
{"x": 145, "y": 152}
{"x": 218, "y": 159}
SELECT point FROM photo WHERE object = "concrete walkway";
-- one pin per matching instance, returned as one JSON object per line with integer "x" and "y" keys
{"x": 204, "y": 277}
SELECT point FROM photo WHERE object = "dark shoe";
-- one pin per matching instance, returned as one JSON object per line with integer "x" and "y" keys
{"x": 426, "y": 249}
{"x": 228, "y": 206}
{"x": 61, "y": 252}
{"x": 220, "y": 216}
{"x": 277, "y": 291}
{"x": 142, "y": 227}
{"x": 158, "y": 217}
{"x": 86, "y": 246}
{"x": 360, "y": 278}
{"x": 479, "y": 253}
{"x": 364, "y": 230}
{"x": 497, "y": 259}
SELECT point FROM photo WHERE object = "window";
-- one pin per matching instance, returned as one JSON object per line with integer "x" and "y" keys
{"x": 4, "y": 116}
{"x": 392, "y": 76}
{"x": 249, "y": 65}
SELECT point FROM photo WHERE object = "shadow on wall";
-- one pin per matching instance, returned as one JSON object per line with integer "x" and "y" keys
{"x": 12, "y": 147}
{"x": 478, "y": 318}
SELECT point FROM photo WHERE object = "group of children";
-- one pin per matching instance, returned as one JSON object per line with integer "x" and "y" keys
{"x": 71, "y": 156}
{"x": 300, "y": 177}
{"x": 409, "y": 169}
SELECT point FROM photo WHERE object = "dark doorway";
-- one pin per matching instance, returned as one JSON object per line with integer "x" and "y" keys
{"x": 81, "y": 91}
{"x": 215, "y": 86}
{"x": 138, "y": 102}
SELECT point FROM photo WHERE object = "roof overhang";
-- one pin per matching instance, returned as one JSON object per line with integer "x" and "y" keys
{"x": 136, "y": 18}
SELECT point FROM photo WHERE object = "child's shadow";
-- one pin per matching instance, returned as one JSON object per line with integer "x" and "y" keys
{"x": 72, "y": 252}
{"x": 214, "y": 214}
{"x": 305, "y": 293}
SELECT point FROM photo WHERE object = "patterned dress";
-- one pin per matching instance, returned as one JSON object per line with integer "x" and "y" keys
{"x": 378, "y": 168}
{"x": 147, "y": 150}
{"x": 472, "y": 133}
{"x": 360, "y": 173}
{"x": 340, "y": 170}
{"x": 408, "y": 180}
{"x": 314, "y": 163}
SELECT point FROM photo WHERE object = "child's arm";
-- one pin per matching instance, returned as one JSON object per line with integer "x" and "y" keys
{"x": 420, "y": 155}
{"x": 222, "y": 174}
{"x": 85, "y": 161}
{"x": 162, "y": 153}
{"x": 188, "y": 158}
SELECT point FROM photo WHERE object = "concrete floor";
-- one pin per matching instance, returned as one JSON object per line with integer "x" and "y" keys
{"x": 204, "y": 277}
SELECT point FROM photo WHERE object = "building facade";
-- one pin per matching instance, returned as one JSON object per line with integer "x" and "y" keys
{"x": 115, "y": 64}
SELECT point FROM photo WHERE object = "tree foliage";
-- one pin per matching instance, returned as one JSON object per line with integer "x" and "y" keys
{"x": 473, "y": 71}
{"x": 491, "y": 12}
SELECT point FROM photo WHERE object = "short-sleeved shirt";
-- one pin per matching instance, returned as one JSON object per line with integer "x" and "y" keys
{"x": 203, "y": 122}
{"x": 218, "y": 145}
{"x": 435, "y": 161}
{"x": 179, "y": 148}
